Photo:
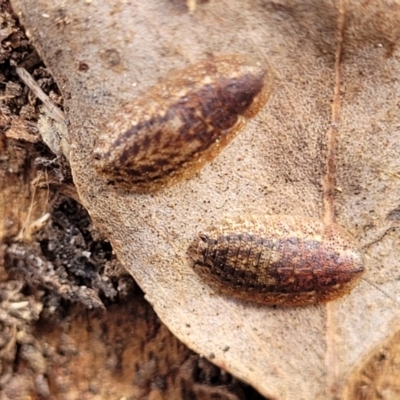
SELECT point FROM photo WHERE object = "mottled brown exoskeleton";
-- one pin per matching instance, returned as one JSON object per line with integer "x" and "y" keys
{"x": 181, "y": 123}
{"x": 278, "y": 259}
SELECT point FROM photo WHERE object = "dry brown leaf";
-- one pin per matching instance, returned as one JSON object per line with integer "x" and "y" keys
{"x": 337, "y": 68}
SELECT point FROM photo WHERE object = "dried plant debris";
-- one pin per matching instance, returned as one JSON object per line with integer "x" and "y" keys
{"x": 67, "y": 258}
{"x": 202, "y": 380}
{"x": 12, "y": 37}
{"x": 17, "y": 313}
{"x": 20, "y": 108}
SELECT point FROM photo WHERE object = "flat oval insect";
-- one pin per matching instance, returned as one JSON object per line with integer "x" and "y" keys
{"x": 184, "y": 121}
{"x": 278, "y": 259}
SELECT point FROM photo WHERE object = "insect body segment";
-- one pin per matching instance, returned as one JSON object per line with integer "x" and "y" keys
{"x": 178, "y": 125}
{"x": 279, "y": 259}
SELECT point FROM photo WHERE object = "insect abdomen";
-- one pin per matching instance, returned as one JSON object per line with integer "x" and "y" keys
{"x": 279, "y": 259}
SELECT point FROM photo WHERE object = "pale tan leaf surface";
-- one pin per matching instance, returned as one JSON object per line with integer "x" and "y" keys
{"x": 337, "y": 69}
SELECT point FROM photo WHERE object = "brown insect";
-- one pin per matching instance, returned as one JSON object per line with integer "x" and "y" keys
{"x": 279, "y": 259}
{"x": 184, "y": 121}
